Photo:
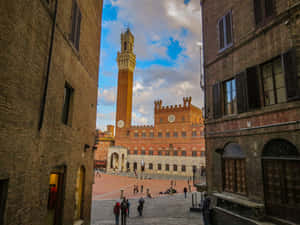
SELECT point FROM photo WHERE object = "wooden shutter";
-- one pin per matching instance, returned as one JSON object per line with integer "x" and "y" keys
{"x": 217, "y": 100}
{"x": 241, "y": 91}
{"x": 78, "y": 22}
{"x": 228, "y": 20}
{"x": 269, "y": 7}
{"x": 258, "y": 11}
{"x": 253, "y": 88}
{"x": 290, "y": 71}
{"x": 73, "y": 28}
{"x": 221, "y": 33}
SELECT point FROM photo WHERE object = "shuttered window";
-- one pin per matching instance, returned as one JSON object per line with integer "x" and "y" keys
{"x": 68, "y": 94}
{"x": 292, "y": 76}
{"x": 225, "y": 31}
{"x": 75, "y": 26}
{"x": 263, "y": 10}
{"x": 248, "y": 90}
{"x": 217, "y": 100}
{"x": 273, "y": 82}
{"x": 235, "y": 176}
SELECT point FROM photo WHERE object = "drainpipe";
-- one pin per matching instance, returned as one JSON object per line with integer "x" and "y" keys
{"x": 48, "y": 69}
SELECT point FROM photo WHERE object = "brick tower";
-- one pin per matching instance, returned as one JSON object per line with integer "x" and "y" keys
{"x": 126, "y": 63}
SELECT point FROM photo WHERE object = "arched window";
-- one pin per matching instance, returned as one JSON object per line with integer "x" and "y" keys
{"x": 128, "y": 165}
{"x": 159, "y": 166}
{"x": 174, "y": 167}
{"x": 234, "y": 171}
{"x": 167, "y": 167}
{"x": 150, "y": 166}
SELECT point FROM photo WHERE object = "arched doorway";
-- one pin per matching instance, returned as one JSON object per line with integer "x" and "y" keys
{"x": 114, "y": 161}
{"x": 79, "y": 194}
{"x": 122, "y": 163}
{"x": 134, "y": 166}
{"x": 281, "y": 178}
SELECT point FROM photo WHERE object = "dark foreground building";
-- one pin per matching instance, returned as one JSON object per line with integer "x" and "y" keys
{"x": 252, "y": 90}
{"x": 49, "y": 62}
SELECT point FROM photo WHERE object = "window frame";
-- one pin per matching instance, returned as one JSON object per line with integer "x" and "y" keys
{"x": 224, "y": 22}
{"x": 76, "y": 18}
{"x": 183, "y": 168}
{"x": 194, "y": 153}
{"x": 233, "y": 103}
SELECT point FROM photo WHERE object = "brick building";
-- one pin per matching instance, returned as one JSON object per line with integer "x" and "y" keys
{"x": 174, "y": 145}
{"x": 104, "y": 139}
{"x": 49, "y": 63}
{"x": 252, "y": 108}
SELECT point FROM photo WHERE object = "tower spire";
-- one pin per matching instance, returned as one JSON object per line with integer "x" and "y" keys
{"x": 126, "y": 60}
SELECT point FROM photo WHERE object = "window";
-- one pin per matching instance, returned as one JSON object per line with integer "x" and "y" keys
{"x": 3, "y": 197}
{"x": 225, "y": 31}
{"x": 159, "y": 134}
{"x": 217, "y": 109}
{"x": 175, "y": 134}
{"x": 167, "y": 153}
{"x": 135, "y": 152}
{"x": 230, "y": 103}
{"x": 150, "y": 152}
{"x": 150, "y": 166}
{"x": 128, "y": 165}
{"x": 175, "y": 153}
{"x": 125, "y": 46}
{"x": 183, "y": 168}
{"x": 128, "y": 133}
{"x": 263, "y": 10}
{"x": 159, "y": 166}
{"x": 167, "y": 167}
{"x": 234, "y": 169}
{"x": 183, "y": 153}
{"x": 143, "y": 134}
{"x": 183, "y": 134}
{"x": 143, "y": 152}
{"x": 194, "y": 153}
{"x": 182, "y": 118}
{"x": 136, "y": 134}
{"x": 151, "y": 134}
{"x": 68, "y": 92}
{"x": 128, "y": 152}
{"x": 202, "y": 154}
{"x": 75, "y": 29}
{"x": 194, "y": 168}
{"x": 273, "y": 82}
{"x": 159, "y": 153}
{"x": 160, "y": 120}
{"x": 194, "y": 133}
{"x": 174, "y": 167}
{"x": 201, "y": 133}
{"x": 168, "y": 134}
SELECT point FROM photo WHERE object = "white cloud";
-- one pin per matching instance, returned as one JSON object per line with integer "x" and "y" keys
{"x": 153, "y": 25}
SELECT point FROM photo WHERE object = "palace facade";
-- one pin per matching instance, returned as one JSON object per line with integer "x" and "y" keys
{"x": 174, "y": 145}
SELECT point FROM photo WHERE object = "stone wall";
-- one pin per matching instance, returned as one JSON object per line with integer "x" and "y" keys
{"x": 28, "y": 155}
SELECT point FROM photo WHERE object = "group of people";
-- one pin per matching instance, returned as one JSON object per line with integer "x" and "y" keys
{"x": 136, "y": 189}
{"x": 124, "y": 210}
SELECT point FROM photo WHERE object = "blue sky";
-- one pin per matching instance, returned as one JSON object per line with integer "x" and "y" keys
{"x": 167, "y": 36}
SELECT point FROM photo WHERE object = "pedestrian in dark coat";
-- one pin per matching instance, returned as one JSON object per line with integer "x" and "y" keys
{"x": 117, "y": 212}
{"x": 185, "y": 191}
{"x": 123, "y": 211}
{"x": 141, "y": 206}
{"x": 206, "y": 210}
{"x": 128, "y": 207}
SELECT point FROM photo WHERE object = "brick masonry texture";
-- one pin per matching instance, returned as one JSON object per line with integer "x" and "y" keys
{"x": 252, "y": 45}
{"x": 27, "y": 155}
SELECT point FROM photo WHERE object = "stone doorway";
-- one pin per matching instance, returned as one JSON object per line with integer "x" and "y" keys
{"x": 79, "y": 194}
{"x": 281, "y": 177}
{"x": 114, "y": 161}
{"x": 55, "y": 197}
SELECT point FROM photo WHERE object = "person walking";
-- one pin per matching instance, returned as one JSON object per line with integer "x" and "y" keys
{"x": 117, "y": 212}
{"x": 123, "y": 211}
{"x": 128, "y": 207}
{"x": 206, "y": 210}
{"x": 185, "y": 191}
{"x": 141, "y": 206}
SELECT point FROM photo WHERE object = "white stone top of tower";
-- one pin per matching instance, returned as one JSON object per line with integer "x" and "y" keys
{"x": 126, "y": 58}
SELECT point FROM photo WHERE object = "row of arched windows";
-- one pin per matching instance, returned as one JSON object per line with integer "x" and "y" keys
{"x": 162, "y": 167}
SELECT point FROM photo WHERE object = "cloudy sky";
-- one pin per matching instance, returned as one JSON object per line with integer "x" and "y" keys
{"x": 167, "y": 47}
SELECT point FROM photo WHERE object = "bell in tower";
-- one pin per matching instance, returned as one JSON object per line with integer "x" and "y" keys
{"x": 126, "y": 63}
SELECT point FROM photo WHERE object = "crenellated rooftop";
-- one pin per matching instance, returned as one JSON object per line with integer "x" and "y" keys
{"x": 173, "y": 108}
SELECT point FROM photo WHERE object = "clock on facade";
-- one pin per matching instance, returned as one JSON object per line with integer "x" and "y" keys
{"x": 120, "y": 124}
{"x": 171, "y": 118}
